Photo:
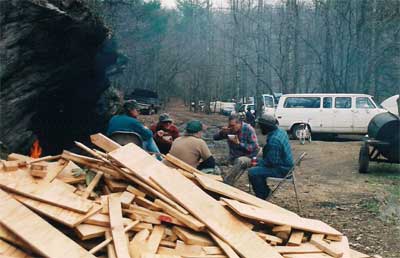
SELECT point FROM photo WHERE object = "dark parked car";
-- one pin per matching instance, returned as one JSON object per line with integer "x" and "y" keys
{"x": 148, "y": 101}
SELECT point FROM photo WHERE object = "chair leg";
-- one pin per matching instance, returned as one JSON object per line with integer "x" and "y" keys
{"x": 297, "y": 197}
{"x": 276, "y": 188}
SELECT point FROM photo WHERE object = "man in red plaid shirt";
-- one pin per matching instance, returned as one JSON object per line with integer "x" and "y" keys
{"x": 243, "y": 146}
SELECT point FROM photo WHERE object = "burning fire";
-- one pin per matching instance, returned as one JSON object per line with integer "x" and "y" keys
{"x": 36, "y": 150}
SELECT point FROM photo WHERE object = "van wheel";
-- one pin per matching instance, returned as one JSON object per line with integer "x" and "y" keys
{"x": 296, "y": 132}
{"x": 363, "y": 159}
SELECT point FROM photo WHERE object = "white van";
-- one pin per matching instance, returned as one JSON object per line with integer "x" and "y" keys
{"x": 327, "y": 113}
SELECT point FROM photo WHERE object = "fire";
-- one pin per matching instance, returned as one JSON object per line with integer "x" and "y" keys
{"x": 36, "y": 150}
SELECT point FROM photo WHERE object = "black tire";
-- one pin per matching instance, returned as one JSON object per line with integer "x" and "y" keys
{"x": 363, "y": 159}
{"x": 294, "y": 132}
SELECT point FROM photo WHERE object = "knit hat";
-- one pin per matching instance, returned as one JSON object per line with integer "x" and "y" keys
{"x": 164, "y": 118}
{"x": 194, "y": 126}
{"x": 268, "y": 121}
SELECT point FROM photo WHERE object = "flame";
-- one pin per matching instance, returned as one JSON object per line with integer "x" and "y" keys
{"x": 36, "y": 150}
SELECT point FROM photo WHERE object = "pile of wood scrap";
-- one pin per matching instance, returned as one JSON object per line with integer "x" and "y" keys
{"x": 135, "y": 206}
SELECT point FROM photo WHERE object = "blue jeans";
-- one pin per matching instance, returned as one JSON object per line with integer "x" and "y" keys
{"x": 150, "y": 146}
{"x": 258, "y": 178}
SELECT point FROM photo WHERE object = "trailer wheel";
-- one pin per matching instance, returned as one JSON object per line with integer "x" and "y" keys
{"x": 363, "y": 159}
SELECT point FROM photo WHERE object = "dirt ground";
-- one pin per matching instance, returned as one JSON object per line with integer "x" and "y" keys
{"x": 365, "y": 207}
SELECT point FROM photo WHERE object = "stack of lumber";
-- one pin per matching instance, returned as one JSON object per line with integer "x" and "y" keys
{"x": 136, "y": 206}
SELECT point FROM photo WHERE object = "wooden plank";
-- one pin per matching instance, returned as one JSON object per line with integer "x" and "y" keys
{"x": 126, "y": 199}
{"x": 211, "y": 250}
{"x": 189, "y": 250}
{"x": 270, "y": 238}
{"x": 103, "y": 220}
{"x": 53, "y": 170}
{"x": 199, "y": 203}
{"x": 109, "y": 238}
{"x": 43, "y": 237}
{"x": 45, "y": 192}
{"x": 319, "y": 255}
{"x": 327, "y": 248}
{"x": 147, "y": 255}
{"x": 191, "y": 237}
{"x": 305, "y": 248}
{"x": 87, "y": 231}
{"x": 104, "y": 142}
{"x": 343, "y": 246}
{"x": 188, "y": 220}
{"x": 7, "y": 250}
{"x": 10, "y": 237}
{"x": 117, "y": 227}
{"x": 92, "y": 185}
{"x": 137, "y": 246}
{"x": 110, "y": 247}
{"x": 295, "y": 238}
{"x": 64, "y": 216}
{"x": 299, "y": 223}
{"x": 155, "y": 238}
{"x": 135, "y": 191}
{"x": 237, "y": 194}
{"x": 225, "y": 247}
{"x": 142, "y": 177}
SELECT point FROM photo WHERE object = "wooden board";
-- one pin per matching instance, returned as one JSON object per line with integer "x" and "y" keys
{"x": 64, "y": 216}
{"x": 155, "y": 238}
{"x": 45, "y": 192}
{"x": 320, "y": 255}
{"x": 104, "y": 142}
{"x": 188, "y": 220}
{"x": 305, "y": 248}
{"x": 191, "y": 237}
{"x": 261, "y": 214}
{"x": 7, "y": 250}
{"x": 43, "y": 237}
{"x": 117, "y": 227}
{"x": 199, "y": 203}
{"x": 237, "y": 194}
{"x": 225, "y": 247}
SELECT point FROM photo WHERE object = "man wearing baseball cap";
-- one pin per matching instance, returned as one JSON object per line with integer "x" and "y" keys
{"x": 127, "y": 122}
{"x": 192, "y": 149}
{"x": 164, "y": 133}
{"x": 277, "y": 157}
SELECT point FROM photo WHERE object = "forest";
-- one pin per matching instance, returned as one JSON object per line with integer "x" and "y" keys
{"x": 207, "y": 50}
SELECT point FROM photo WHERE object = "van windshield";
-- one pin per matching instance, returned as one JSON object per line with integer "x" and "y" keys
{"x": 302, "y": 102}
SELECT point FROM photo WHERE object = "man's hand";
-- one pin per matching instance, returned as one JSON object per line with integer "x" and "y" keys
{"x": 160, "y": 133}
{"x": 234, "y": 140}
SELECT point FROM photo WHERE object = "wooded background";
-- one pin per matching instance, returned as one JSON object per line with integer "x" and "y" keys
{"x": 202, "y": 51}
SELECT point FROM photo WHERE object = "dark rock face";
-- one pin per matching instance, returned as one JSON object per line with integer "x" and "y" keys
{"x": 53, "y": 71}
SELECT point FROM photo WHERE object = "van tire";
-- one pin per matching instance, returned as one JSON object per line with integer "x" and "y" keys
{"x": 294, "y": 130}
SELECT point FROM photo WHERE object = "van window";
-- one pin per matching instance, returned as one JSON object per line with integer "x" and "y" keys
{"x": 302, "y": 102}
{"x": 364, "y": 102}
{"x": 343, "y": 102}
{"x": 327, "y": 102}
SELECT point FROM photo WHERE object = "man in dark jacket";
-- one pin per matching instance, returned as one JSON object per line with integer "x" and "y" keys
{"x": 277, "y": 157}
{"x": 164, "y": 133}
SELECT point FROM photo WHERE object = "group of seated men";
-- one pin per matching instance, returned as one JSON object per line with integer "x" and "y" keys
{"x": 163, "y": 137}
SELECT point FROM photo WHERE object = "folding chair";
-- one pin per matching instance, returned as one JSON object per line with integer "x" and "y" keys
{"x": 124, "y": 138}
{"x": 290, "y": 177}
